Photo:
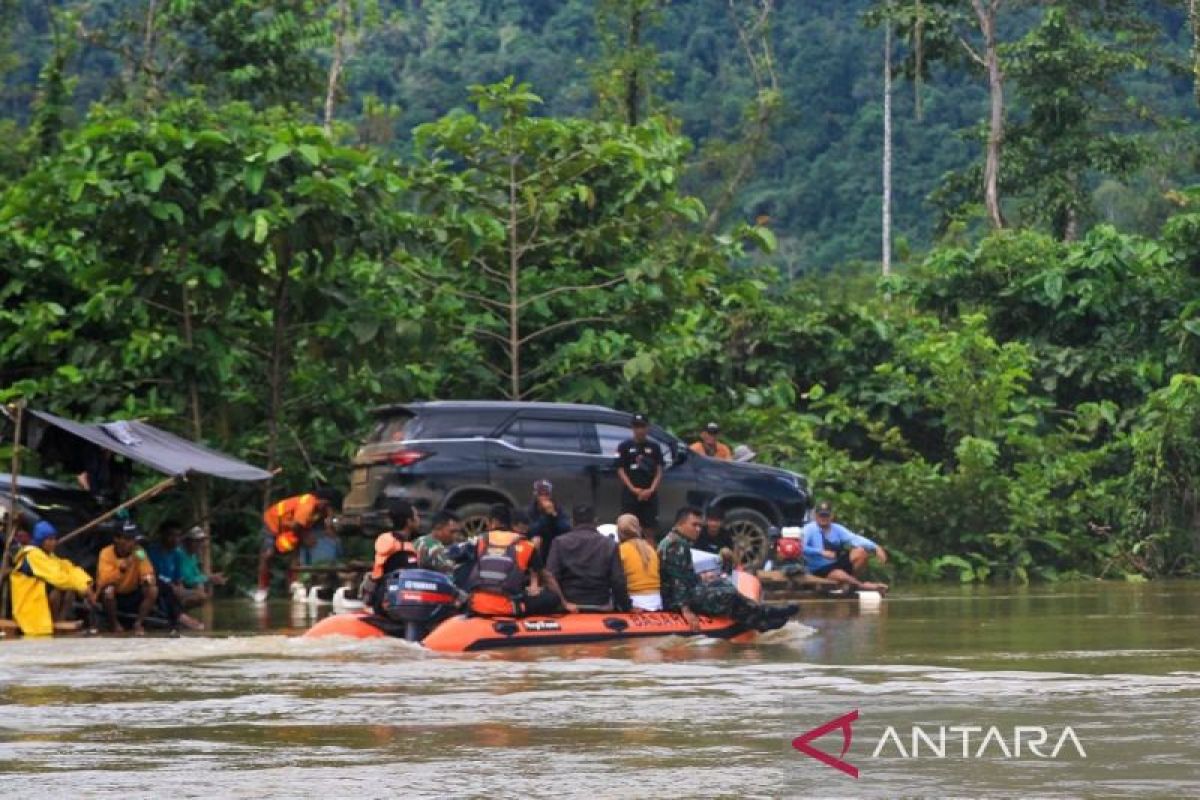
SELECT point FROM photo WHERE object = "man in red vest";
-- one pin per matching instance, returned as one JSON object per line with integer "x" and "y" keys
{"x": 284, "y": 524}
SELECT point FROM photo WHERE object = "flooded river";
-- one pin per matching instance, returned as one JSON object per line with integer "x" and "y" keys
{"x": 252, "y": 712}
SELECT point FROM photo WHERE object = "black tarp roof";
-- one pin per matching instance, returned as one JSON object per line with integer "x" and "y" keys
{"x": 157, "y": 449}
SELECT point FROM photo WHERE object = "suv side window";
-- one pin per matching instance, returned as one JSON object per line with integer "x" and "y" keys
{"x": 558, "y": 435}
{"x": 610, "y": 436}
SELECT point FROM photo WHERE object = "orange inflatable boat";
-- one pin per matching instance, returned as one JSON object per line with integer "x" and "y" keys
{"x": 464, "y": 634}
{"x": 419, "y": 594}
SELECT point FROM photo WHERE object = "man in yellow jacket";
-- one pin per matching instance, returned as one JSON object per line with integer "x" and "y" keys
{"x": 36, "y": 567}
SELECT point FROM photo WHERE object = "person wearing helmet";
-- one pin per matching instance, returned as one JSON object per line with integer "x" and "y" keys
{"x": 285, "y": 523}
{"x": 835, "y": 552}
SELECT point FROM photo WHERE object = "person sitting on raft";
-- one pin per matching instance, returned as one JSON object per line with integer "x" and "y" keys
{"x": 640, "y": 561}
{"x": 835, "y": 552}
{"x": 126, "y": 582}
{"x": 393, "y": 550}
{"x": 508, "y": 577}
{"x": 683, "y": 591}
{"x": 587, "y": 567}
{"x": 37, "y": 574}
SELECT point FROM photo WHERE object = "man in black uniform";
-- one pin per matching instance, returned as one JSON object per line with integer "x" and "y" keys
{"x": 640, "y": 468}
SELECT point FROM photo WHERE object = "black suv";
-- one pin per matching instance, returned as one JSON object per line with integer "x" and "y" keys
{"x": 468, "y": 455}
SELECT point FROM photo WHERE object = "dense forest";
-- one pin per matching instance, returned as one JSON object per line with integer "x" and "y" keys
{"x": 251, "y": 220}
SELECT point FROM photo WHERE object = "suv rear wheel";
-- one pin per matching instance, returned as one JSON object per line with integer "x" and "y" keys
{"x": 748, "y": 530}
{"x": 474, "y": 518}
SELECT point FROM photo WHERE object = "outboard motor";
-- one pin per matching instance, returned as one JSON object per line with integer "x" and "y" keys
{"x": 418, "y": 599}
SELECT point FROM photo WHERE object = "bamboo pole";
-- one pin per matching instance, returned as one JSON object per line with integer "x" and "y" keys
{"x": 153, "y": 491}
{"x": 13, "y": 493}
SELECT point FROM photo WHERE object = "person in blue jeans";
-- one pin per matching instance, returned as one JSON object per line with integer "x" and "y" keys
{"x": 835, "y": 552}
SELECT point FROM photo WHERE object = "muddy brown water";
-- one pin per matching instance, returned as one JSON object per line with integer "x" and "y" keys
{"x": 252, "y": 711}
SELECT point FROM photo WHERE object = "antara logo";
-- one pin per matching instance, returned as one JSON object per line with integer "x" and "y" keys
{"x": 937, "y": 742}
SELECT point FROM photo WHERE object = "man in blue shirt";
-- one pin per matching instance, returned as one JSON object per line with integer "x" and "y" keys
{"x": 835, "y": 552}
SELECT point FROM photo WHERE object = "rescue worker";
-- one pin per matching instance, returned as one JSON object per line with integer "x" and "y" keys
{"x": 36, "y": 568}
{"x": 683, "y": 590}
{"x": 285, "y": 523}
{"x": 393, "y": 550}
{"x": 509, "y": 577}
{"x": 432, "y": 547}
{"x": 709, "y": 445}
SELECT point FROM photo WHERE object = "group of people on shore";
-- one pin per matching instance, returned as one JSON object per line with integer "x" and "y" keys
{"x": 133, "y": 580}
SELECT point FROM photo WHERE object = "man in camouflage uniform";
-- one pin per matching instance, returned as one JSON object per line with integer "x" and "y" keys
{"x": 432, "y": 547}
{"x": 682, "y": 589}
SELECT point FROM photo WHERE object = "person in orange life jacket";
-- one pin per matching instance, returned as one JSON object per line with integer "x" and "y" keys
{"x": 509, "y": 576}
{"x": 709, "y": 445}
{"x": 587, "y": 567}
{"x": 284, "y": 524}
{"x": 393, "y": 550}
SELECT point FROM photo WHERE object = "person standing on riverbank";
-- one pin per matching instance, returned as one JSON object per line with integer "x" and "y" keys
{"x": 710, "y": 445}
{"x": 835, "y": 552}
{"x": 640, "y": 468}
{"x": 285, "y": 524}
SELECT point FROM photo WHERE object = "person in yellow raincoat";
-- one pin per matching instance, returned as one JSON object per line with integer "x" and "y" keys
{"x": 34, "y": 568}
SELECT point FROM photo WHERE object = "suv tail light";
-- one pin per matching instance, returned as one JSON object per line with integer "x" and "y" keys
{"x": 403, "y": 458}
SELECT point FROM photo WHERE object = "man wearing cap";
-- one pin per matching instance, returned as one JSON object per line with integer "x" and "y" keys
{"x": 547, "y": 518}
{"x": 640, "y": 468}
{"x": 125, "y": 580}
{"x": 587, "y": 567}
{"x": 35, "y": 570}
{"x": 835, "y": 552}
{"x": 285, "y": 524}
{"x": 197, "y": 586}
{"x": 709, "y": 445}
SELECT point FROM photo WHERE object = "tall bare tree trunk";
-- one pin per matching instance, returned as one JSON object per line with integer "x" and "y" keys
{"x": 276, "y": 372}
{"x": 887, "y": 148}
{"x": 918, "y": 43}
{"x": 514, "y": 286}
{"x": 1194, "y": 23}
{"x": 199, "y": 485}
{"x": 339, "y": 60}
{"x": 991, "y": 58}
{"x": 633, "y": 89}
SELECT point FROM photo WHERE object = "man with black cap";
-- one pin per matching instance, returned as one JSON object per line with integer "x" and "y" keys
{"x": 835, "y": 552}
{"x": 125, "y": 580}
{"x": 640, "y": 468}
{"x": 709, "y": 445}
{"x": 587, "y": 567}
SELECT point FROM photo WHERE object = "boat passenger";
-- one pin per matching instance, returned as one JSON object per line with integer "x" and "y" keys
{"x": 432, "y": 547}
{"x": 509, "y": 576}
{"x": 393, "y": 550}
{"x": 683, "y": 591}
{"x": 547, "y": 517}
{"x": 587, "y": 567}
{"x": 37, "y": 574}
{"x": 640, "y": 562}
{"x": 835, "y": 552}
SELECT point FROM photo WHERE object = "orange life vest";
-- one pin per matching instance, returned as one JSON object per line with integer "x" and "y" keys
{"x": 501, "y": 568}
{"x": 300, "y": 510}
{"x": 387, "y": 544}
